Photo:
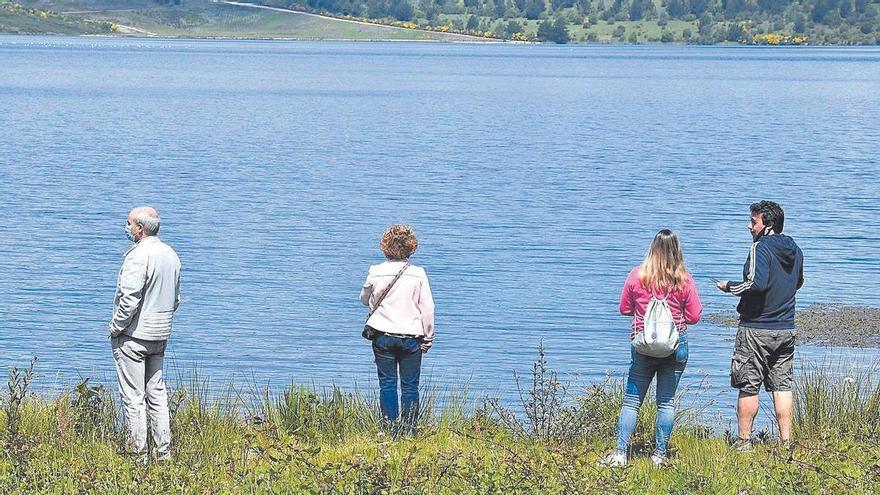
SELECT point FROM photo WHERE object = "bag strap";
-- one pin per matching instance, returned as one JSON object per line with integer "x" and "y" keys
{"x": 387, "y": 290}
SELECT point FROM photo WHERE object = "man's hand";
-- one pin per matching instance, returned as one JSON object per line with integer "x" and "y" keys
{"x": 425, "y": 346}
{"x": 113, "y": 331}
{"x": 722, "y": 285}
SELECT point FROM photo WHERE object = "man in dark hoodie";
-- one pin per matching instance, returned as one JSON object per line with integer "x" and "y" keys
{"x": 764, "y": 350}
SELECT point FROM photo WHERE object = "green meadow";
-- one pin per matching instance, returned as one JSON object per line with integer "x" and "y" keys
{"x": 192, "y": 19}
{"x": 331, "y": 441}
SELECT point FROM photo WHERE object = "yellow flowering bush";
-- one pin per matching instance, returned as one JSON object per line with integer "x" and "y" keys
{"x": 778, "y": 39}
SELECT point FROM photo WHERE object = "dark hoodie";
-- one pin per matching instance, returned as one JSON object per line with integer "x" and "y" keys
{"x": 772, "y": 274}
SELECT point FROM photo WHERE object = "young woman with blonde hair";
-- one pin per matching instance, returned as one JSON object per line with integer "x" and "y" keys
{"x": 662, "y": 276}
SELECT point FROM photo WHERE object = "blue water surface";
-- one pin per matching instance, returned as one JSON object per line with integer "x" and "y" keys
{"x": 535, "y": 176}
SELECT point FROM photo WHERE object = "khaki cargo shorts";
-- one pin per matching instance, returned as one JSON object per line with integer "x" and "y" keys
{"x": 762, "y": 357}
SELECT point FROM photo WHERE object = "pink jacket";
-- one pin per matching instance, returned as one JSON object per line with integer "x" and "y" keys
{"x": 684, "y": 303}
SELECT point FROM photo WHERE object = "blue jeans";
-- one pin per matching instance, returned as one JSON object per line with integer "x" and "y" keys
{"x": 403, "y": 354}
{"x": 641, "y": 372}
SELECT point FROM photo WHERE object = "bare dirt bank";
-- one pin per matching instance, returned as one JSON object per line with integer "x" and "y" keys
{"x": 829, "y": 325}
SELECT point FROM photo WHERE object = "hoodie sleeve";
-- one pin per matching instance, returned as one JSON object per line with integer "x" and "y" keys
{"x": 759, "y": 272}
{"x": 627, "y": 305}
{"x": 801, "y": 274}
{"x": 693, "y": 307}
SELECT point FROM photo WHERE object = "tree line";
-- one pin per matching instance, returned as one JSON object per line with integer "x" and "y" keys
{"x": 825, "y": 21}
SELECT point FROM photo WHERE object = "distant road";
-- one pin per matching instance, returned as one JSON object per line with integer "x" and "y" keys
{"x": 131, "y": 29}
{"x": 289, "y": 11}
{"x": 97, "y": 11}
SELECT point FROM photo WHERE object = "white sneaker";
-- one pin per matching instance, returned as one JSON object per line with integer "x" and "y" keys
{"x": 659, "y": 460}
{"x": 616, "y": 459}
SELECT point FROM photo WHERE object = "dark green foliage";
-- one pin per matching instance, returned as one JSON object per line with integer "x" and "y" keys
{"x": 636, "y": 12}
{"x": 401, "y": 10}
{"x": 534, "y": 8}
{"x": 676, "y": 8}
{"x": 473, "y": 23}
{"x": 16, "y": 445}
{"x": 735, "y": 32}
{"x": 561, "y": 4}
{"x": 698, "y": 7}
{"x": 510, "y": 28}
{"x": 93, "y": 412}
{"x": 555, "y": 31}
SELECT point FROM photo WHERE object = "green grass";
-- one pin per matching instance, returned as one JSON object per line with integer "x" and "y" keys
{"x": 304, "y": 440}
{"x": 647, "y": 31}
{"x": 16, "y": 18}
{"x": 219, "y": 20}
{"x": 199, "y": 18}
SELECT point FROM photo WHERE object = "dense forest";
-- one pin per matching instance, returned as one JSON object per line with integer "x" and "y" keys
{"x": 690, "y": 21}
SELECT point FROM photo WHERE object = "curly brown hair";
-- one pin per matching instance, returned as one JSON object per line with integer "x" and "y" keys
{"x": 399, "y": 242}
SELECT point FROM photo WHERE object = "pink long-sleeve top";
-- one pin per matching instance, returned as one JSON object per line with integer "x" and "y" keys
{"x": 684, "y": 302}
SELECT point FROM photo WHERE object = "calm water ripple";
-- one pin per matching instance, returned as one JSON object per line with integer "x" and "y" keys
{"x": 535, "y": 176}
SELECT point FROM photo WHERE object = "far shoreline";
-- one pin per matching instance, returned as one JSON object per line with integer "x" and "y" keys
{"x": 488, "y": 41}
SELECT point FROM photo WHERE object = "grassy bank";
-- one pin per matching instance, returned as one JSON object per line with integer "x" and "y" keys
{"x": 190, "y": 19}
{"x": 330, "y": 441}
{"x": 20, "y": 19}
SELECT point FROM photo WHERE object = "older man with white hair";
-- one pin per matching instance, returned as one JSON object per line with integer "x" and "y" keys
{"x": 147, "y": 295}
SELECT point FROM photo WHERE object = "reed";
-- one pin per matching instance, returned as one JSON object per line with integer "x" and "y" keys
{"x": 332, "y": 441}
{"x": 838, "y": 403}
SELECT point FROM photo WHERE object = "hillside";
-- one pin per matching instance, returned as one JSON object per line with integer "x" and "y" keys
{"x": 191, "y": 18}
{"x": 835, "y": 22}
{"x": 19, "y": 19}
{"x": 771, "y": 22}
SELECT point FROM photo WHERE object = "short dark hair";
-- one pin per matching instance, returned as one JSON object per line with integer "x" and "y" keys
{"x": 771, "y": 214}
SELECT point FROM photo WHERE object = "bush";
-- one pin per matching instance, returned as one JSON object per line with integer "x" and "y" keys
{"x": 554, "y": 31}
{"x": 331, "y": 441}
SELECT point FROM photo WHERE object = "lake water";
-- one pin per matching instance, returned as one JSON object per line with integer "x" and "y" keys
{"x": 535, "y": 176}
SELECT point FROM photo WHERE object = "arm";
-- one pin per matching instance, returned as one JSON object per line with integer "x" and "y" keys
{"x": 177, "y": 291}
{"x": 801, "y": 276}
{"x": 130, "y": 292}
{"x": 366, "y": 291}
{"x": 759, "y": 273}
{"x": 693, "y": 307}
{"x": 426, "y": 307}
{"x": 627, "y": 306}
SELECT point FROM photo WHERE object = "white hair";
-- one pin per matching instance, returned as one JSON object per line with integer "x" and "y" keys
{"x": 148, "y": 218}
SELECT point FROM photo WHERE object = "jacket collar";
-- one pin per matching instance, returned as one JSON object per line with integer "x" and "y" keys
{"x": 146, "y": 240}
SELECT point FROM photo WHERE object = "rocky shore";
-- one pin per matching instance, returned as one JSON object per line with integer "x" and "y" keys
{"x": 829, "y": 325}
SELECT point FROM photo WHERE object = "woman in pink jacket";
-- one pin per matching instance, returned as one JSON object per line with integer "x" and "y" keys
{"x": 662, "y": 275}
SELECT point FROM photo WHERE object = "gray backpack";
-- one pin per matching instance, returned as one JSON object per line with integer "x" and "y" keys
{"x": 660, "y": 337}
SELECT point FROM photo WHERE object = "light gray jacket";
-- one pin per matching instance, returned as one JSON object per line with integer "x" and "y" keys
{"x": 148, "y": 291}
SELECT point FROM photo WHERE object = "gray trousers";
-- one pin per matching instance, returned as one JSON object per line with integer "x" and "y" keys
{"x": 142, "y": 388}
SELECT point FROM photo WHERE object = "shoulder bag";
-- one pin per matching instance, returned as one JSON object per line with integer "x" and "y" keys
{"x": 369, "y": 332}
